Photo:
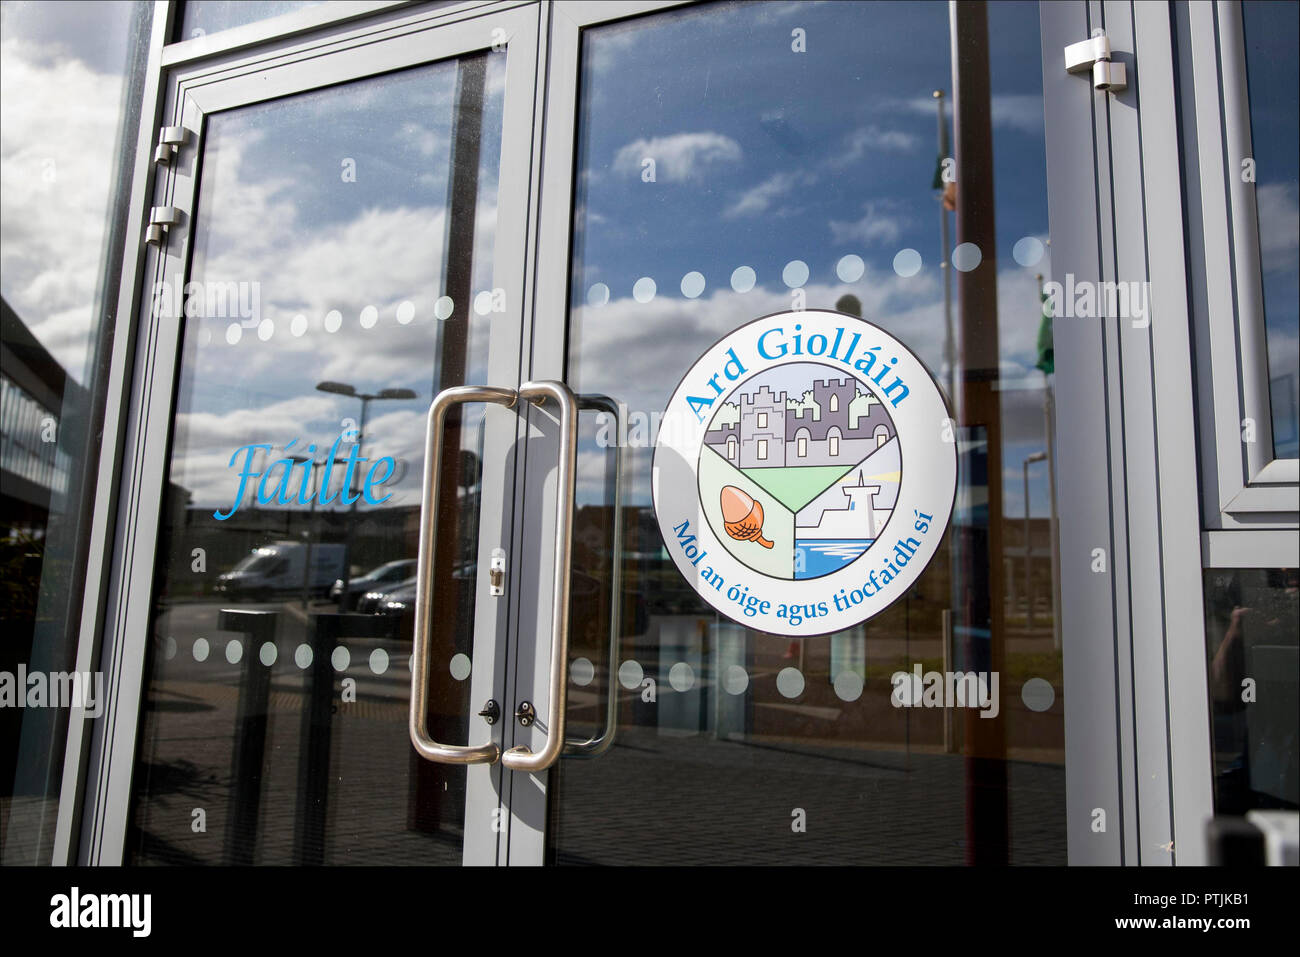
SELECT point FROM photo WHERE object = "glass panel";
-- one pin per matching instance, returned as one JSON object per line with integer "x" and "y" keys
{"x": 210, "y": 16}
{"x": 736, "y": 161}
{"x": 70, "y": 89}
{"x": 338, "y": 236}
{"x": 1252, "y": 633}
{"x": 1273, "y": 78}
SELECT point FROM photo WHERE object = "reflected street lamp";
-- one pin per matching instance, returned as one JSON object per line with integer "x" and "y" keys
{"x": 343, "y": 388}
{"x": 1029, "y": 597}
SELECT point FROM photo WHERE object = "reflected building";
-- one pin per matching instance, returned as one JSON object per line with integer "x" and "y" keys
{"x": 34, "y": 388}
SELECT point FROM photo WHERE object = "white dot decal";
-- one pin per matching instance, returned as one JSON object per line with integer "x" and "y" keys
{"x": 681, "y": 676}
{"x": 850, "y": 268}
{"x": 736, "y": 680}
{"x": 302, "y": 656}
{"x": 644, "y": 289}
{"x": 234, "y": 651}
{"x": 200, "y": 649}
{"x": 582, "y": 671}
{"x": 233, "y": 333}
{"x": 692, "y": 285}
{"x": 598, "y": 295}
{"x": 340, "y": 658}
{"x": 1027, "y": 251}
{"x": 460, "y": 666}
{"x": 405, "y": 312}
{"x": 1038, "y": 694}
{"x": 333, "y": 320}
{"x": 268, "y": 653}
{"x": 789, "y": 681}
{"x": 795, "y": 273}
{"x": 369, "y": 316}
{"x": 483, "y": 303}
{"x": 630, "y": 675}
{"x": 966, "y": 257}
{"x": 169, "y": 648}
{"x": 298, "y": 325}
{"x": 848, "y": 686}
{"x": 907, "y": 263}
{"x": 379, "y": 661}
{"x": 743, "y": 279}
{"x": 265, "y": 330}
{"x": 442, "y": 309}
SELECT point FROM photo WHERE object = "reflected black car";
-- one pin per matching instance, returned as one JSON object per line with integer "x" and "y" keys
{"x": 401, "y": 599}
{"x": 370, "y": 603}
{"x": 385, "y": 576}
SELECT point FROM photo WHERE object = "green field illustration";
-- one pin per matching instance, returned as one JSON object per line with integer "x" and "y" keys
{"x": 793, "y": 486}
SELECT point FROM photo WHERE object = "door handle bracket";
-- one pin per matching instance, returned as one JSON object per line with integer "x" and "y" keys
{"x": 497, "y": 573}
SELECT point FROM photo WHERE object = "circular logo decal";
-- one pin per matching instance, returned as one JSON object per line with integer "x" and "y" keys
{"x": 804, "y": 473}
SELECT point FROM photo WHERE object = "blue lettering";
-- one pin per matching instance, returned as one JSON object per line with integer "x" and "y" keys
{"x": 244, "y": 475}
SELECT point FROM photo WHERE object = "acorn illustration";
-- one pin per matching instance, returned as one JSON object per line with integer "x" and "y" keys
{"x": 742, "y": 516}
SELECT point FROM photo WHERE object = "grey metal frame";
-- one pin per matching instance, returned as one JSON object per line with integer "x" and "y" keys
{"x": 1090, "y": 603}
{"x": 1244, "y": 487}
{"x": 147, "y": 341}
{"x": 259, "y": 31}
{"x": 69, "y": 818}
{"x": 1137, "y": 704}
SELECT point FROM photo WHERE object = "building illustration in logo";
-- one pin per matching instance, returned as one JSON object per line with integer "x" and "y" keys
{"x": 799, "y": 470}
{"x": 815, "y": 432}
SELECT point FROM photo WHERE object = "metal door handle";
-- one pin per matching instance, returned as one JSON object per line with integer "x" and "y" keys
{"x": 522, "y": 758}
{"x": 426, "y": 747}
{"x": 599, "y": 743}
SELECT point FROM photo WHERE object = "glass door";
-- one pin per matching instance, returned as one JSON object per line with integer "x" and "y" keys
{"x": 338, "y": 232}
{"x": 884, "y": 165}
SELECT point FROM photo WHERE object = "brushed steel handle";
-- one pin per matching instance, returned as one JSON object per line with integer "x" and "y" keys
{"x": 599, "y": 743}
{"x": 522, "y": 758}
{"x": 428, "y": 748}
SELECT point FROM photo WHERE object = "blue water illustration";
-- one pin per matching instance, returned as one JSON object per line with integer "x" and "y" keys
{"x": 816, "y": 557}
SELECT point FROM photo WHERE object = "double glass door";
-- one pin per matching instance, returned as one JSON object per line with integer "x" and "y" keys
{"x": 403, "y": 209}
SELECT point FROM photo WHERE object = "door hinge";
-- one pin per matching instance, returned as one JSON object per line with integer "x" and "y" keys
{"x": 170, "y": 139}
{"x": 497, "y": 573}
{"x": 1094, "y": 54}
{"x": 160, "y": 217}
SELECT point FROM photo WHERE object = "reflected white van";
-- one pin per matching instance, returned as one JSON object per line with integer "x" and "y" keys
{"x": 282, "y": 567}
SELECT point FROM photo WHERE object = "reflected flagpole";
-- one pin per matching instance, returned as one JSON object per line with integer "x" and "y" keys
{"x": 1049, "y": 427}
{"x": 949, "y": 351}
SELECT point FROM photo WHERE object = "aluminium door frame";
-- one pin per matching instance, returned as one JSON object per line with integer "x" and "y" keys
{"x": 1137, "y": 707}
{"x": 95, "y": 803}
{"x": 1250, "y": 500}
